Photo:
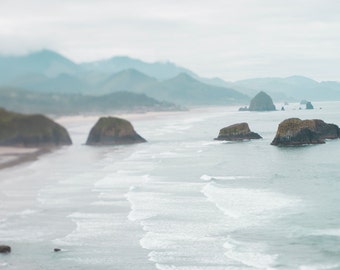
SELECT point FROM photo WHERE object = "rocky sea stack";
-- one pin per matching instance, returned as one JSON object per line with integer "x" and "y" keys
{"x": 237, "y": 132}
{"x": 31, "y": 131}
{"x": 113, "y": 131}
{"x": 309, "y": 106}
{"x": 262, "y": 102}
{"x": 295, "y": 131}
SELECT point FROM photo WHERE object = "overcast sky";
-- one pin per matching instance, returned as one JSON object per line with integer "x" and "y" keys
{"x": 216, "y": 38}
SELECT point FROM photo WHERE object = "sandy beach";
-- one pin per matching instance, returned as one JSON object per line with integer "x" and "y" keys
{"x": 64, "y": 120}
{"x": 11, "y": 156}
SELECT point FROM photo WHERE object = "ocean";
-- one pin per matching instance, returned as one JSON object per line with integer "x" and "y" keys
{"x": 182, "y": 201}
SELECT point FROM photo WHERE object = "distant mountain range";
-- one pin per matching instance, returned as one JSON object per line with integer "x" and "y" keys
{"x": 291, "y": 88}
{"x": 49, "y": 72}
{"x": 159, "y": 70}
{"x": 45, "y": 62}
{"x": 64, "y": 104}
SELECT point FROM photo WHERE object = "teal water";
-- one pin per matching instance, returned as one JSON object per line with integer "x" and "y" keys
{"x": 180, "y": 201}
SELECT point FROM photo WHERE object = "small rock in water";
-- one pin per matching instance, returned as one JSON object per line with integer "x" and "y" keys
{"x": 294, "y": 131}
{"x": 5, "y": 249}
{"x": 237, "y": 132}
{"x": 113, "y": 131}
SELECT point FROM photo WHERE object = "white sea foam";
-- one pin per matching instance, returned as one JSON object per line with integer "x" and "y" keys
{"x": 246, "y": 206}
{"x": 192, "y": 267}
{"x": 320, "y": 267}
{"x": 206, "y": 177}
{"x": 253, "y": 259}
{"x": 328, "y": 232}
{"x": 168, "y": 155}
{"x": 176, "y": 128}
{"x": 103, "y": 203}
{"x": 138, "y": 199}
{"x": 89, "y": 226}
{"x": 158, "y": 241}
{"x": 94, "y": 216}
{"x": 139, "y": 155}
{"x": 249, "y": 254}
{"x": 215, "y": 143}
{"x": 28, "y": 212}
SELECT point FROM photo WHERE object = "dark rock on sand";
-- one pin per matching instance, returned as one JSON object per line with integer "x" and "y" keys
{"x": 31, "y": 130}
{"x": 113, "y": 131}
{"x": 237, "y": 132}
{"x": 295, "y": 131}
{"x": 5, "y": 249}
{"x": 262, "y": 102}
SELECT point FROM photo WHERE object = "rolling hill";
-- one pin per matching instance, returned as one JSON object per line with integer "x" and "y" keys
{"x": 292, "y": 88}
{"x": 60, "y": 104}
{"x": 159, "y": 70}
{"x": 43, "y": 62}
{"x": 186, "y": 90}
{"x": 49, "y": 72}
{"x": 126, "y": 80}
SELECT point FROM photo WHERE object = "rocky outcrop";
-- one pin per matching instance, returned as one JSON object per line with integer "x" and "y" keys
{"x": 31, "y": 131}
{"x": 113, "y": 131}
{"x": 295, "y": 131}
{"x": 237, "y": 132}
{"x": 262, "y": 102}
{"x": 309, "y": 106}
{"x": 5, "y": 249}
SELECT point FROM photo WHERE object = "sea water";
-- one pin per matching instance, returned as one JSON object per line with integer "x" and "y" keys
{"x": 181, "y": 201}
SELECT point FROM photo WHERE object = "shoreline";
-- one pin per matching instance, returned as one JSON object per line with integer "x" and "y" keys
{"x": 128, "y": 116}
{"x": 13, "y": 156}
{"x": 134, "y": 116}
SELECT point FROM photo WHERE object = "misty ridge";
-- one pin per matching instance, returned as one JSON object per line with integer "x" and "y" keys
{"x": 47, "y": 82}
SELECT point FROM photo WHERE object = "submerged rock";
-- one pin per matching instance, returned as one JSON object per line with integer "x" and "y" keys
{"x": 237, "y": 132}
{"x": 31, "y": 130}
{"x": 243, "y": 109}
{"x": 113, "y": 131}
{"x": 262, "y": 102}
{"x": 295, "y": 131}
{"x": 5, "y": 249}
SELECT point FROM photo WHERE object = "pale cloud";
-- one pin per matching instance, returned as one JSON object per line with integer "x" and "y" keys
{"x": 229, "y": 39}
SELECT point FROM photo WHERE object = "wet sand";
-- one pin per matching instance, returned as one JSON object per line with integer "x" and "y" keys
{"x": 12, "y": 156}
